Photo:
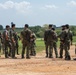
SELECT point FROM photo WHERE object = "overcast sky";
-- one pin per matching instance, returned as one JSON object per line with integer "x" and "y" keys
{"x": 37, "y": 12}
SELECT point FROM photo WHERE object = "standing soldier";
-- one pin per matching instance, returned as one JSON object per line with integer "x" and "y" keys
{"x": 16, "y": 41}
{"x": 12, "y": 38}
{"x": 61, "y": 41}
{"x": 32, "y": 44}
{"x": 66, "y": 37}
{"x": 6, "y": 40}
{"x": 55, "y": 43}
{"x": 25, "y": 37}
{"x": 71, "y": 37}
{"x": 0, "y": 41}
{"x": 48, "y": 39}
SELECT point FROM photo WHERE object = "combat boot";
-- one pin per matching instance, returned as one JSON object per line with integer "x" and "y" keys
{"x": 27, "y": 57}
{"x": 46, "y": 55}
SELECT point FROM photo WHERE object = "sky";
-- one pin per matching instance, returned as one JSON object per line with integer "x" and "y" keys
{"x": 37, "y": 12}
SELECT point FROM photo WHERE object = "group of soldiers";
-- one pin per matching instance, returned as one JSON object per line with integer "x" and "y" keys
{"x": 9, "y": 39}
{"x": 10, "y": 42}
{"x": 51, "y": 38}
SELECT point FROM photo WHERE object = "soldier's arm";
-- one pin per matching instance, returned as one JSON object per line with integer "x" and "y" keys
{"x": 11, "y": 36}
{"x": 45, "y": 36}
{"x": 21, "y": 36}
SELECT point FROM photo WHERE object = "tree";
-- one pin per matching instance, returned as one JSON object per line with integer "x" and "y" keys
{"x": 1, "y": 27}
{"x": 36, "y": 29}
{"x": 73, "y": 29}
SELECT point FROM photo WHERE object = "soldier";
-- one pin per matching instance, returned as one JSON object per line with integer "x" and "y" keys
{"x": 55, "y": 43}
{"x": 6, "y": 40}
{"x": 32, "y": 44}
{"x": 12, "y": 38}
{"x": 0, "y": 41}
{"x": 48, "y": 39}
{"x": 71, "y": 37}
{"x": 25, "y": 37}
{"x": 66, "y": 37}
{"x": 16, "y": 41}
{"x": 61, "y": 41}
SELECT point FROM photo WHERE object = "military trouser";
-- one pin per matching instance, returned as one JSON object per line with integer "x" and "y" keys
{"x": 61, "y": 49}
{"x": 49, "y": 49}
{"x": 32, "y": 49}
{"x": 0, "y": 47}
{"x": 13, "y": 50}
{"x": 17, "y": 50}
{"x": 67, "y": 54}
{"x": 68, "y": 43}
{"x": 55, "y": 49}
{"x": 7, "y": 45}
{"x": 26, "y": 45}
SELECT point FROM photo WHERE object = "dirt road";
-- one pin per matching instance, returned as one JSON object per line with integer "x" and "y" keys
{"x": 38, "y": 65}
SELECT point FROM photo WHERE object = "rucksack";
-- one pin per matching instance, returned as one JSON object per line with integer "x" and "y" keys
{"x": 50, "y": 35}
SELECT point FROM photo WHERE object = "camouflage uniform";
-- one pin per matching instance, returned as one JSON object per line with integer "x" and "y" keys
{"x": 48, "y": 39}
{"x": 55, "y": 44}
{"x": 0, "y": 41}
{"x": 25, "y": 36}
{"x": 12, "y": 38}
{"x": 66, "y": 43}
{"x": 71, "y": 37}
{"x": 61, "y": 41}
{"x": 6, "y": 42}
{"x": 32, "y": 44}
{"x": 66, "y": 37}
{"x": 16, "y": 41}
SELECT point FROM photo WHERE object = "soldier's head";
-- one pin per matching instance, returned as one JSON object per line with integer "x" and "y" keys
{"x": 26, "y": 26}
{"x": 67, "y": 26}
{"x": 53, "y": 29}
{"x": 63, "y": 27}
{"x": 7, "y": 27}
{"x": 50, "y": 26}
{"x": 13, "y": 26}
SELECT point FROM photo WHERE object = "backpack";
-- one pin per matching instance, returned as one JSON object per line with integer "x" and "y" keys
{"x": 25, "y": 34}
{"x": 50, "y": 35}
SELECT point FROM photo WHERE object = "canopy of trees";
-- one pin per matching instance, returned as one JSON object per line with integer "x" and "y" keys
{"x": 1, "y": 27}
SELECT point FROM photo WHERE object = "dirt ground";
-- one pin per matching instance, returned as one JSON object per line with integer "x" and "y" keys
{"x": 38, "y": 65}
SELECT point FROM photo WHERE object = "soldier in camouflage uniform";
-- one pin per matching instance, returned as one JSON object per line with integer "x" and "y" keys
{"x": 66, "y": 36}
{"x": 48, "y": 39}
{"x": 71, "y": 37}
{"x": 6, "y": 40}
{"x": 61, "y": 41}
{"x": 16, "y": 41}
{"x": 32, "y": 44}
{"x": 12, "y": 38}
{"x": 25, "y": 37}
{"x": 0, "y": 41}
{"x": 55, "y": 43}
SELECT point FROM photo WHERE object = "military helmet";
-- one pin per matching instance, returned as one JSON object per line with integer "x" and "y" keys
{"x": 26, "y": 25}
{"x": 67, "y": 25}
{"x": 53, "y": 28}
{"x": 50, "y": 25}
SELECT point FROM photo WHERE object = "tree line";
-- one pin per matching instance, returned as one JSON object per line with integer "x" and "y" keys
{"x": 39, "y": 30}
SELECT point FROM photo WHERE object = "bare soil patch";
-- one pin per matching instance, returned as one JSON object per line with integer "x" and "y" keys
{"x": 38, "y": 65}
